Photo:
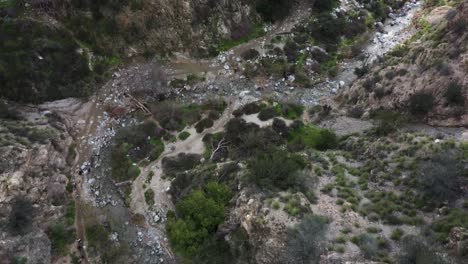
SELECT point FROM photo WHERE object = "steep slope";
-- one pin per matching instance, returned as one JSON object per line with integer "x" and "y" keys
{"x": 427, "y": 76}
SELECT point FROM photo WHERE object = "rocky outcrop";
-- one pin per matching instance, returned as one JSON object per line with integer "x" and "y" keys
{"x": 33, "y": 169}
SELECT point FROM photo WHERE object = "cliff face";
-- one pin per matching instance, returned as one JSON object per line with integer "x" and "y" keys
{"x": 426, "y": 76}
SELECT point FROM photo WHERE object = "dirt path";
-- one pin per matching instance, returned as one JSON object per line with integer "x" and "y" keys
{"x": 83, "y": 152}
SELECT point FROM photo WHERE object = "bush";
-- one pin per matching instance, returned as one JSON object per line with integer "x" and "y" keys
{"x": 98, "y": 240}
{"x": 306, "y": 241}
{"x": 397, "y": 234}
{"x": 170, "y": 116}
{"x": 184, "y": 135}
{"x": 250, "y": 54}
{"x": 368, "y": 245}
{"x": 328, "y": 29}
{"x": 291, "y": 50}
{"x": 302, "y": 80}
{"x": 253, "y": 142}
{"x": 179, "y": 163}
{"x": 21, "y": 216}
{"x": 204, "y": 124}
{"x": 387, "y": 122}
{"x": 248, "y": 109}
{"x": 415, "y": 250}
{"x": 158, "y": 149}
{"x": 325, "y": 5}
{"x": 454, "y": 94}
{"x": 312, "y": 137}
{"x": 273, "y": 10}
{"x": 421, "y": 103}
{"x": 361, "y": 71}
{"x": 280, "y": 127}
{"x": 198, "y": 216}
{"x": 275, "y": 169}
{"x": 7, "y": 112}
{"x": 60, "y": 237}
{"x": 268, "y": 113}
{"x": 149, "y": 197}
{"x": 441, "y": 176}
{"x": 456, "y": 218}
{"x": 292, "y": 111}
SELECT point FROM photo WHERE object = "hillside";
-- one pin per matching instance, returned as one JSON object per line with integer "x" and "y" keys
{"x": 426, "y": 76}
{"x": 233, "y": 131}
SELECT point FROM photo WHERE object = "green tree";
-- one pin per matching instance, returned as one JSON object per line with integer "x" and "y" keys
{"x": 198, "y": 216}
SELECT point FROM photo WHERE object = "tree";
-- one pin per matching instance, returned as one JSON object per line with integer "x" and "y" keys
{"x": 198, "y": 216}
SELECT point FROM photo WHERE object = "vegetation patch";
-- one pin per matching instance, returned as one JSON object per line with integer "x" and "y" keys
{"x": 309, "y": 136}
{"x": 275, "y": 169}
{"x": 197, "y": 218}
{"x": 149, "y": 197}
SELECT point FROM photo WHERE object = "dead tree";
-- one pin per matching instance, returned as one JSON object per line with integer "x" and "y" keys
{"x": 222, "y": 144}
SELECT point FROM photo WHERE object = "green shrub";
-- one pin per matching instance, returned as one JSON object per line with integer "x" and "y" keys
{"x": 325, "y": 5}
{"x": 292, "y": 51}
{"x": 416, "y": 250}
{"x": 158, "y": 149}
{"x": 268, "y": 113}
{"x": 198, "y": 216}
{"x": 204, "y": 124}
{"x": 70, "y": 213}
{"x": 302, "y": 80}
{"x": 184, "y": 135}
{"x": 7, "y": 112}
{"x": 292, "y": 111}
{"x": 440, "y": 176}
{"x": 373, "y": 229}
{"x": 133, "y": 172}
{"x": 250, "y": 54}
{"x": 328, "y": 29}
{"x": 149, "y": 197}
{"x": 421, "y": 103}
{"x": 306, "y": 241}
{"x": 455, "y": 218}
{"x": 276, "y": 205}
{"x": 454, "y": 94}
{"x": 19, "y": 260}
{"x": 60, "y": 238}
{"x": 180, "y": 163}
{"x": 275, "y": 169}
{"x": 98, "y": 240}
{"x": 313, "y": 137}
{"x": 273, "y": 10}
{"x": 248, "y": 109}
{"x": 368, "y": 245}
{"x": 397, "y": 234}
{"x": 387, "y": 122}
